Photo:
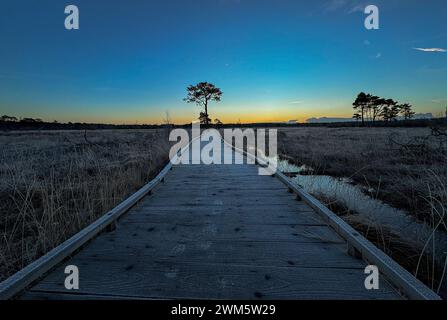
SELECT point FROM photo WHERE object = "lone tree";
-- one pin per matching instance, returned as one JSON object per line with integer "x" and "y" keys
{"x": 204, "y": 119}
{"x": 201, "y": 94}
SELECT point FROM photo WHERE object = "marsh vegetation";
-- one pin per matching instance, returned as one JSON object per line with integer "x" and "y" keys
{"x": 54, "y": 183}
{"x": 402, "y": 169}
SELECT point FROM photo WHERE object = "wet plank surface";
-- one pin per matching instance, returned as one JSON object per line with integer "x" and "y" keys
{"x": 216, "y": 232}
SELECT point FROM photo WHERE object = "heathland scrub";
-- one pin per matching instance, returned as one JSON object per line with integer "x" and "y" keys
{"x": 389, "y": 179}
{"x": 54, "y": 183}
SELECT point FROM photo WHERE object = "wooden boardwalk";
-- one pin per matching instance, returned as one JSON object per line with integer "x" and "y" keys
{"x": 216, "y": 232}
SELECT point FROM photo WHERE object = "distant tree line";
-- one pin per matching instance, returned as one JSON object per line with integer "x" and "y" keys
{"x": 6, "y": 118}
{"x": 370, "y": 108}
{"x": 8, "y": 123}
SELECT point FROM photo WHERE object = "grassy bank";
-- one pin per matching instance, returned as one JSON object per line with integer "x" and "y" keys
{"x": 53, "y": 184}
{"x": 405, "y": 168}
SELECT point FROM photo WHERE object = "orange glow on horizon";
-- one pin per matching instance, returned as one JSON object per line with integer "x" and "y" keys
{"x": 230, "y": 115}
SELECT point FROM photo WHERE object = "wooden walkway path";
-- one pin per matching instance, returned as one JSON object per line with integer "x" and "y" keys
{"x": 216, "y": 232}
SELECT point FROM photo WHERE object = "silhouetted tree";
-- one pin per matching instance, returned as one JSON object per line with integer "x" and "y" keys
{"x": 371, "y": 108}
{"x": 390, "y": 110}
{"x": 406, "y": 111}
{"x": 204, "y": 119}
{"x": 28, "y": 120}
{"x": 201, "y": 94}
{"x": 8, "y": 118}
{"x": 218, "y": 122}
{"x": 360, "y": 105}
{"x": 377, "y": 106}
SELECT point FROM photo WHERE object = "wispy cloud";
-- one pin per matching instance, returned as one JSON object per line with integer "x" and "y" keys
{"x": 431, "y": 49}
{"x": 357, "y": 8}
{"x": 378, "y": 55}
{"x": 296, "y": 102}
{"x": 439, "y": 100}
{"x": 334, "y": 5}
{"x": 348, "y": 6}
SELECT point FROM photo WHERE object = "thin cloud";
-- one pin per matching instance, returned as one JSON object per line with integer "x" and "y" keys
{"x": 431, "y": 49}
{"x": 439, "y": 100}
{"x": 334, "y": 5}
{"x": 348, "y": 6}
{"x": 357, "y": 8}
{"x": 378, "y": 55}
{"x": 296, "y": 102}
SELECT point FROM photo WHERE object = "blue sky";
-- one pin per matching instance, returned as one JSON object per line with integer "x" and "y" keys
{"x": 274, "y": 60}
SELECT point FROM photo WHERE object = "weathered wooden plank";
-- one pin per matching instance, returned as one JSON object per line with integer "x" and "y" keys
{"x": 217, "y": 281}
{"x": 214, "y": 191}
{"x": 190, "y": 200}
{"x": 212, "y": 231}
{"x": 233, "y": 215}
{"x": 249, "y": 252}
{"x": 399, "y": 277}
{"x": 295, "y": 206}
{"x": 62, "y": 296}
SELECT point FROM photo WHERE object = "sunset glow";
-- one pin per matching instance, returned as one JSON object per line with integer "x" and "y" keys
{"x": 291, "y": 60}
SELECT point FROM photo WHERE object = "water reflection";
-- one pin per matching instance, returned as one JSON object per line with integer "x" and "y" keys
{"x": 368, "y": 210}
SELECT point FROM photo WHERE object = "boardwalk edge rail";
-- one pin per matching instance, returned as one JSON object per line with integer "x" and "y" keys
{"x": 23, "y": 278}
{"x": 400, "y": 278}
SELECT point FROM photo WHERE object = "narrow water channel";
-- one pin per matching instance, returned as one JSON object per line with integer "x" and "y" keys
{"x": 369, "y": 211}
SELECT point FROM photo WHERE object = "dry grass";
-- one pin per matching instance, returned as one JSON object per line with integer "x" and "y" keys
{"x": 404, "y": 167}
{"x": 402, "y": 172}
{"x": 52, "y": 184}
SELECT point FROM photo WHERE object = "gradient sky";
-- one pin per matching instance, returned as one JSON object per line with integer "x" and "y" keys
{"x": 275, "y": 60}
